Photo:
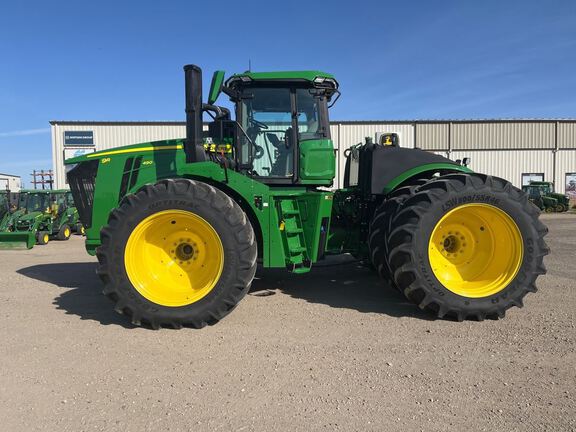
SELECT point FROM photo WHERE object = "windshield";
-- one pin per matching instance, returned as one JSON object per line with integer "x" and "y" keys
{"x": 533, "y": 191}
{"x": 270, "y": 116}
{"x": 35, "y": 202}
{"x": 69, "y": 199}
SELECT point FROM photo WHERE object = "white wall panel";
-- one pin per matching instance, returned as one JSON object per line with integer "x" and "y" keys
{"x": 432, "y": 136}
{"x": 509, "y": 164}
{"x": 502, "y": 135}
{"x": 565, "y": 163}
{"x": 567, "y": 135}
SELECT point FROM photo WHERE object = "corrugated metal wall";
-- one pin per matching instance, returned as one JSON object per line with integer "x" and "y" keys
{"x": 501, "y": 136}
{"x": 565, "y": 163}
{"x": 509, "y": 164}
{"x": 433, "y": 136}
{"x": 567, "y": 135}
{"x": 457, "y": 139}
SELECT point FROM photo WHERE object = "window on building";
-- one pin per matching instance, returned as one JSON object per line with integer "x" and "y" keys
{"x": 529, "y": 177}
{"x": 570, "y": 185}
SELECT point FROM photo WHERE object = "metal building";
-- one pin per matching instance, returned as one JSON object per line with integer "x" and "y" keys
{"x": 11, "y": 182}
{"x": 518, "y": 150}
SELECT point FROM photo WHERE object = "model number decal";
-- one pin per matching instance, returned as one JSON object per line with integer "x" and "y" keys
{"x": 106, "y": 160}
{"x": 148, "y": 162}
{"x": 488, "y": 199}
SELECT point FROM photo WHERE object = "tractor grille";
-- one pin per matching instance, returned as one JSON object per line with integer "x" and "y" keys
{"x": 82, "y": 179}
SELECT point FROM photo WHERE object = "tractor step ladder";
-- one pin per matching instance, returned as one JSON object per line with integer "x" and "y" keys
{"x": 297, "y": 259}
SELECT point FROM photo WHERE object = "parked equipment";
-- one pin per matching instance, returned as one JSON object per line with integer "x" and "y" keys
{"x": 543, "y": 196}
{"x": 178, "y": 226}
{"x": 39, "y": 216}
{"x": 8, "y": 209}
{"x": 67, "y": 218}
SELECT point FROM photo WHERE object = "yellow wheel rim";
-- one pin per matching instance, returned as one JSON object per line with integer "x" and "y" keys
{"x": 82, "y": 230}
{"x": 475, "y": 250}
{"x": 174, "y": 258}
{"x": 46, "y": 238}
{"x": 67, "y": 232}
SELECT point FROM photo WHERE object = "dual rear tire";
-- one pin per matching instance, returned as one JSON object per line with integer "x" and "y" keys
{"x": 466, "y": 246}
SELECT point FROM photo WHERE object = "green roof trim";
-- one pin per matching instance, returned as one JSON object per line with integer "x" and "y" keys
{"x": 285, "y": 75}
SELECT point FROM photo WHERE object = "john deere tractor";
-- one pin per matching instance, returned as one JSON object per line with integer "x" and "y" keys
{"x": 542, "y": 195}
{"x": 180, "y": 225}
{"x": 66, "y": 214}
{"x": 38, "y": 217}
{"x": 7, "y": 209}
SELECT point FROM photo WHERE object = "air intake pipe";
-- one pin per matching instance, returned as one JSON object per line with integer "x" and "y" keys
{"x": 193, "y": 147}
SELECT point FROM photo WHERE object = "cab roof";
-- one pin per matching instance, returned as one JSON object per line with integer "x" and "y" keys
{"x": 311, "y": 76}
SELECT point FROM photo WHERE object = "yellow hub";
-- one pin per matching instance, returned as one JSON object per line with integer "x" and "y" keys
{"x": 475, "y": 250}
{"x": 174, "y": 258}
{"x": 67, "y": 232}
{"x": 46, "y": 238}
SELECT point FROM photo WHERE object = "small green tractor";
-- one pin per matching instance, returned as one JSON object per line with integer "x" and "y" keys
{"x": 180, "y": 225}
{"x": 8, "y": 209}
{"x": 66, "y": 213}
{"x": 542, "y": 195}
{"x": 39, "y": 216}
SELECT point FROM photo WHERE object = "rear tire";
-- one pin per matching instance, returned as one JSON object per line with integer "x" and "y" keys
{"x": 64, "y": 233}
{"x": 179, "y": 290}
{"x": 380, "y": 228}
{"x": 487, "y": 276}
{"x": 80, "y": 229}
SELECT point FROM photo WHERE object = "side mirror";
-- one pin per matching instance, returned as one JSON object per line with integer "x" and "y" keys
{"x": 215, "y": 86}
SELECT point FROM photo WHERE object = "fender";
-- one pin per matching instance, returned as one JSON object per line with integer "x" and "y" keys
{"x": 383, "y": 168}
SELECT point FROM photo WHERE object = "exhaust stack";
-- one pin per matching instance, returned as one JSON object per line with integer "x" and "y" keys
{"x": 193, "y": 147}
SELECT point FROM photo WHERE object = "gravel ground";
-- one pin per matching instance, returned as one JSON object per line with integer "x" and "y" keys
{"x": 332, "y": 350}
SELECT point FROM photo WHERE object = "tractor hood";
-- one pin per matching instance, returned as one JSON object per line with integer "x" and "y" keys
{"x": 177, "y": 144}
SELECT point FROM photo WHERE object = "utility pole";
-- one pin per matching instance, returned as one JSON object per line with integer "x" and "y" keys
{"x": 42, "y": 178}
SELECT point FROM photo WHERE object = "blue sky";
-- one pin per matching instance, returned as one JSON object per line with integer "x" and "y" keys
{"x": 122, "y": 60}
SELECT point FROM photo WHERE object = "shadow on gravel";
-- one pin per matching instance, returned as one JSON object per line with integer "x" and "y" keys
{"x": 84, "y": 297}
{"x": 336, "y": 283}
{"x": 340, "y": 284}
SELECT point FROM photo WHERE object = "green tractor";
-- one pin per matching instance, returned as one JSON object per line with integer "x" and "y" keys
{"x": 38, "y": 218}
{"x": 180, "y": 225}
{"x": 8, "y": 209}
{"x": 66, "y": 213}
{"x": 542, "y": 195}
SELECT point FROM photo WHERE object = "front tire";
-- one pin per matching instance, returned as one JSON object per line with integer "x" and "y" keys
{"x": 177, "y": 253}
{"x": 467, "y": 246}
{"x": 42, "y": 238}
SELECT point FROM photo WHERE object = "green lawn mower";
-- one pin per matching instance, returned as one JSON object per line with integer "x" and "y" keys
{"x": 180, "y": 225}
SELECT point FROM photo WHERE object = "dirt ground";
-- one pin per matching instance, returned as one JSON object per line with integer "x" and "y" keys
{"x": 332, "y": 350}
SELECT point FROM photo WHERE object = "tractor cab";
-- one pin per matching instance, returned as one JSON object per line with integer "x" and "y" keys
{"x": 34, "y": 202}
{"x": 542, "y": 194}
{"x": 281, "y": 134}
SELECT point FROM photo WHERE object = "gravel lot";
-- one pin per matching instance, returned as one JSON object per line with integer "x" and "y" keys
{"x": 331, "y": 350}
